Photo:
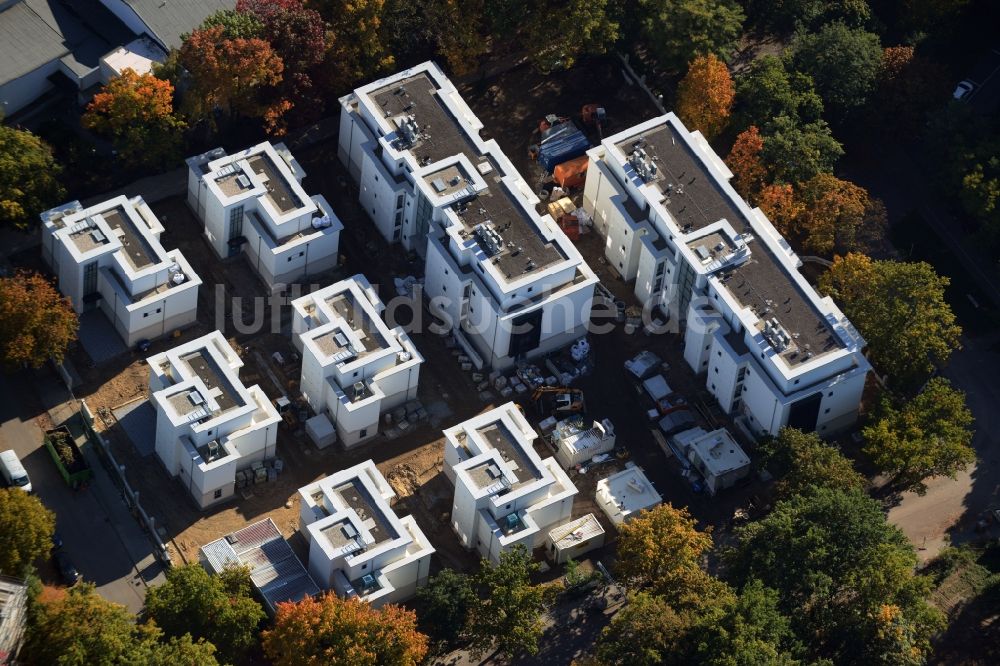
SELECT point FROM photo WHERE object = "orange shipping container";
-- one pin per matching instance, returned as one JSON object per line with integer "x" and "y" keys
{"x": 572, "y": 173}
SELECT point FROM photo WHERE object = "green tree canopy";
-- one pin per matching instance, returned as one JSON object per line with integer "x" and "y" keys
{"x": 507, "y": 616}
{"x": 837, "y": 564}
{"x": 235, "y": 24}
{"x": 795, "y": 152}
{"x": 767, "y": 90}
{"x": 843, "y": 63}
{"x": 787, "y": 16}
{"x": 29, "y": 174}
{"x": 928, "y": 436}
{"x": 216, "y": 608}
{"x": 26, "y": 528}
{"x": 444, "y": 604}
{"x": 678, "y": 30}
{"x": 900, "y": 309}
{"x": 559, "y": 31}
{"x": 646, "y": 632}
{"x": 800, "y": 460}
{"x": 79, "y": 628}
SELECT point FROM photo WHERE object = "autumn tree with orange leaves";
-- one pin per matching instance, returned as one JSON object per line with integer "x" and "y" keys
{"x": 839, "y": 216}
{"x": 749, "y": 172}
{"x": 331, "y": 631}
{"x": 36, "y": 321}
{"x": 705, "y": 95}
{"x": 236, "y": 77}
{"x": 781, "y": 205}
{"x": 136, "y": 112}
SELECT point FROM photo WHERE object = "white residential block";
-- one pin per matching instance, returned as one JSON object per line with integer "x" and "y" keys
{"x": 354, "y": 367}
{"x": 253, "y": 202}
{"x": 624, "y": 494}
{"x": 208, "y": 424}
{"x": 505, "y": 494}
{"x": 506, "y": 278}
{"x": 109, "y": 256}
{"x": 358, "y": 546}
{"x": 774, "y": 351}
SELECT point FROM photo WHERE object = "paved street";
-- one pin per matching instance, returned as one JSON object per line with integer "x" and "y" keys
{"x": 101, "y": 537}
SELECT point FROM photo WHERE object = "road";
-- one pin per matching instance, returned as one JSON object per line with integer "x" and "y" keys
{"x": 103, "y": 544}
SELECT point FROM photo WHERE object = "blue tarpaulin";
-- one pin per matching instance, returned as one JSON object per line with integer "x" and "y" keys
{"x": 563, "y": 144}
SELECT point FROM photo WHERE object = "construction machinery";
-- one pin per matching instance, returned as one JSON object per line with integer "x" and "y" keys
{"x": 594, "y": 115}
{"x": 558, "y": 400}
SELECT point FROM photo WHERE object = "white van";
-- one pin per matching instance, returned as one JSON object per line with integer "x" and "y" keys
{"x": 13, "y": 471}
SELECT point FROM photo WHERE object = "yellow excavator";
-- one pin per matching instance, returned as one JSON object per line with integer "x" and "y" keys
{"x": 558, "y": 400}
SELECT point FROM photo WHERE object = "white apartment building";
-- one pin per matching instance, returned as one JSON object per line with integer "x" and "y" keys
{"x": 358, "y": 546}
{"x": 505, "y": 494}
{"x": 773, "y": 350}
{"x": 109, "y": 256}
{"x": 354, "y": 367}
{"x": 253, "y": 202}
{"x": 208, "y": 424}
{"x": 503, "y": 276}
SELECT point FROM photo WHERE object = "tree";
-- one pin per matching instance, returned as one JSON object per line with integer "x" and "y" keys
{"x": 444, "y": 604}
{"x": 781, "y": 205}
{"x": 928, "y": 436}
{"x": 748, "y": 628}
{"x": 456, "y": 27}
{"x": 28, "y": 177}
{"x": 559, "y": 31}
{"x": 235, "y": 24}
{"x": 136, "y": 112}
{"x": 79, "y": 628}
{"x": 744, "y": 160}
{"x": 216, "y": 608}
{"x": 228, "y": 75}
{"x": 331, "y": 631}
{"x": 900, "y": 309}
{"x": 839, "y": 216}
{"x": 705, "y": 95}
{"x": 787, "y": 16}
{"x": 646, "y": 632}
{"x": 907, "y": 88}
{"x": 678, "y": 30}
{"x": 795, "y": 152}
{"x": 26, "y": 528}
{"x": 843, "y": 63}
{"x": 36, "y": 322}
{"x": 507, "y": 614}
{"x": 801, "y": 461}
{"x": 662, "y": 550}
{"x": 835, "y": 561}
{"x": 355, "y": 49}
{"x": 767, "y": 90}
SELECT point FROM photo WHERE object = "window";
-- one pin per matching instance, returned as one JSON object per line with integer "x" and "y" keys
{"x": 796, "y": 381}
{"x": 218, "y": 493}
{"x": 399, "y": 200}
{"x": 708, "y": 346}
{"x": 444, "y": 287}
{"x": 446, "y": 271}
{"x": 364, "y": 432}
{"x": 719, "y": 353}
{"x": 90, "y": 278}
{"x": 236, "y": 222}
{"x": 302, "y": 253}
{"x": 145, "y": 314}
{"x": 355, "y": 373}
{"x": 826, "y": 411}
{"x": 716, "y": 370}
{"x": 364, "y": 566}
{"x": 376, "y": 178}
{"x": 713, "y": 387}
{"x": 395, "y": 234}
{"x": 158, "y": 310}
{"x": 530, "y": 289}
{"x": 830, "y": 394}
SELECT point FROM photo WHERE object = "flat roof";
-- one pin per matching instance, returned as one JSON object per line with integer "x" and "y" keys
{"x": 695, "y": 198}
{"x": 630, "y": 490}
{"x": 356, "y": 316}
{"x": 719, "y": 452}
{"x": 134, "y": 246}
{"x": 355, "y": 495}
{"x": 511, "y": 450}
{"x": 441, "y": 136}
{"x": 201, "y": 363}
{"x": 274, "y": 569}
{"x": 576, "y": 531}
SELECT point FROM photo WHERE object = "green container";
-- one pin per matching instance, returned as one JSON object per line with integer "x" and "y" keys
{"x": 77, "y": 471}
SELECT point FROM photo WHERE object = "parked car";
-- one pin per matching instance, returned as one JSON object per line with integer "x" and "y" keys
{"x": 66, "y": 568}
{"x": 964, "y": 89}
{"x": 13, "y": 471}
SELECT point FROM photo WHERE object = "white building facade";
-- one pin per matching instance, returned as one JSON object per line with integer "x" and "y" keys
{"x": 208, "y": 424}
{"x": 358, "y": 546}
{"x": 774, "y": 351}
{"x": 505, "y": 493}
{"x": 354, "y": 367}
{"x": 253, "y": 202}
{"x": 504, "y": 277}
{"x": 109, "y": 256}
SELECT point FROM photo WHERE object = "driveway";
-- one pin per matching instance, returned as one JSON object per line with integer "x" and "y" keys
{"x": 94, "y": 537}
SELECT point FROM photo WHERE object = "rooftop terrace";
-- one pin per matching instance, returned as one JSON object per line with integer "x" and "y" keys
{"x": 203, "y": 365}
{"x": 435, "y": 135}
